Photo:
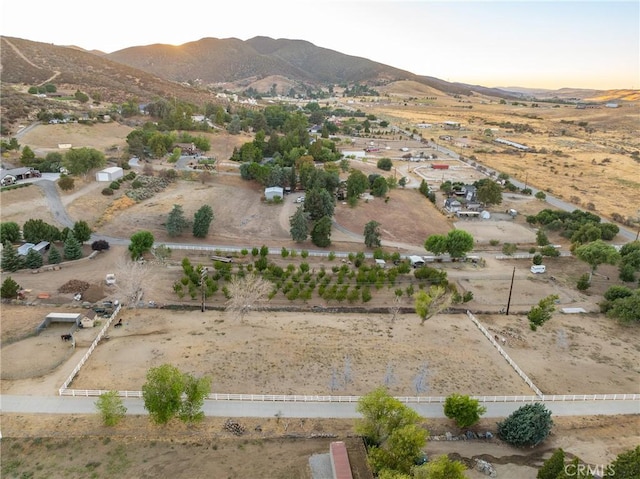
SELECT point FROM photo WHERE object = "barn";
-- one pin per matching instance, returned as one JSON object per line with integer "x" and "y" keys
{"x": 272, "y": 192}
{"x": 110, "y": 174}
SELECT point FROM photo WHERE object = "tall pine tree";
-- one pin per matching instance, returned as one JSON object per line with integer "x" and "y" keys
{"x": 33, "y": 259}
{"x": 54, "y": 255}
{"x": 72, "y": 248}
{"x": 176, "y": 222}
{"x": 299, "y": 228}
{"x": 11, "y": 261}
{"x": 201, "y": 221}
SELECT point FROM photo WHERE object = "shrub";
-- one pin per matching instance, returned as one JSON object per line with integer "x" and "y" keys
{"x": 107, "y": 191}
{"x": 509, "y": 248}
{"x": 136, "y": 184}
{"x": 583, "y": 282}
{"x": 494, "y": 242}
{"x": 66, "y": 183}
{"x": 537, "y": 259}
{"x": 527, "y": 426}
{"x": 114, "y": 185}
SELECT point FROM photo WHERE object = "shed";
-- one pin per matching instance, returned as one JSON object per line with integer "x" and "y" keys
{"x": 25, "y": 248}
{"x": 42, "y": 247}
{"x": 382, "y": 263}
{"x": 340, "y": 460}
{"x": 416, "y": 261}
{"x": 110, "y": 174}
{"x": 273, "y": 191}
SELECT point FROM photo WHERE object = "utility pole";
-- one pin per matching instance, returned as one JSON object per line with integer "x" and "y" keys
{"x": 203, "y": 276}
{"x": 510, "y": 291}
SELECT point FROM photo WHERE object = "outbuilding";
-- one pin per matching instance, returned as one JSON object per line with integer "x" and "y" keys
{"x": 272, "y": 192}
{"x": 110, "y": 174}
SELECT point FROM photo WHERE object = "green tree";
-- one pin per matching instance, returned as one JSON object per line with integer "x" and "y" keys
{"x": 162, "y": 393}
{"x": 202, "y": 221}
{"x": 391, "y": 429}
{"x": 298, "y": 225}
{"x": 436, "y": 244}
{"x": 626, "y": 309}
{"x": 54, "y": 255}
{"x": 357, "y": 183}
{"x": 542, "y": 312}
{"x": 140, "y": 243}
{"x": 526, "y": 426}
{"x": 541, "y": 195}
{"x": 195, "y": 392}
{"x": 81, "y": 231}
{"x": 541, "y": 238}
{"x": 81, "y": 97}
{"x": 321, "y": 232}
{"x": 79, "y": 161}
{"x": 319, "y": 203}
{"x": 176, "y": 222}
{"x": 596, "y": 253}
{"x": 33, "y": 260}
{"x": 72, "y": 248}
{"x": 459, "y": 243}
{"x": 9, "y": 231}
{"x": 430, "y": 303}
{"x": 9, "y": 288}
{"x": 379, "y": 187}
{"x": 464, "y": 410}
{"x": 629, "y": 261}
{"x": 385, "y": 164}
{"x": 27, "y": 155}
{"x": 11, "y": 261}
{"x": 625, "y": 466}
{"x": 440, "y": 468}
{"x": 553, "y": 466}
{"x": 111, "y": 408}
{"x": 403, "y": 182}
{"x": 372, "y": 234}
{"x": 490, "y": 193}
{"x": 34, "y": 231}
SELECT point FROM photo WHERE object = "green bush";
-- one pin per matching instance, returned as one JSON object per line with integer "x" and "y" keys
{"x": 107, "y": 191}
{"x": 583, "y": 282}
{"x": 114, "y": 185}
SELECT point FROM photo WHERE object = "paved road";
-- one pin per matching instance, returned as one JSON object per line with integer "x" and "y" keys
{"x": 84, "y": 405}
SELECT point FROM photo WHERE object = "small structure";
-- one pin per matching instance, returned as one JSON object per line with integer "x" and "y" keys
{"x": 25, "y": 248}
{"x": 7, "y": 180}
{"x": 74, "y": 318}
{"x": 42, "y": 247}
{"x": 382, "y": 263}
{"x": 110, "y": 279}
{"x": 452, "y": 205}
{"x": 340, "y": 460}
{"x": 416, "y": 261}
{"x": 110, "y": 174}
{"x": 272, "y": 192}
{"x": 512, "y": 143}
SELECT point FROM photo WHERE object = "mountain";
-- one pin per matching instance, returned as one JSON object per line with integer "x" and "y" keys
{"x": 234, "y": 61}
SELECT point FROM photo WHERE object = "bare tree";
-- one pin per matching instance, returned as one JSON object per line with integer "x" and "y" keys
{"x": 246, "y": 294}
{"x": 131, "y": 278}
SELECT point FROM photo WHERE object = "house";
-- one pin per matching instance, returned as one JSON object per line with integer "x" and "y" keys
{"x": 452, "y": 205}
{"x": 110, "y": 174}
{"x": 187, "y": 149}
{"x": 272, "y": 192}
{"x": 451, "y": 125}
{"x": 21, "y": 173}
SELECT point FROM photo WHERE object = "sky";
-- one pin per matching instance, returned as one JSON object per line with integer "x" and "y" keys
{"x": 537, "y": 44}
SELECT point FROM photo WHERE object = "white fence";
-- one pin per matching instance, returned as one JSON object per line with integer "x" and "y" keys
{"x": 84, "y": 359}
{"x": 504, "y": 354}
{"x": 355, "y": 399}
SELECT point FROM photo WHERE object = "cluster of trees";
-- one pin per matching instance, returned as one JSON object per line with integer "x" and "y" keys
{"x": 35, "y": 231}
{"x": 579, "y": 226}
{"x": 177, "y": 222}
{"x": 167, "y": 393}
{"x": 622, "y": 303}
{"x": 77, "y": 161}
{"x": 152, "y": 140}
{"x": 457, "y": 243}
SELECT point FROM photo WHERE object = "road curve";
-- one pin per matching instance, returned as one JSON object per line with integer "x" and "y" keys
{"x": 339, "y": 410}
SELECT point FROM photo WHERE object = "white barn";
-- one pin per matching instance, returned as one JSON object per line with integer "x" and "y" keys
{"x": 110, "y": 174}
{"x": 273, "y": 191}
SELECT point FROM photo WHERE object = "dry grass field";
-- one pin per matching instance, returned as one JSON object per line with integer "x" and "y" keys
{"x": 583, "y": 155}
{"x": 298, "y": 353}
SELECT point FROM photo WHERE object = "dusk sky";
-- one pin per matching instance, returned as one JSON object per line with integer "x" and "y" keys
{"x": 541, "y": 44}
